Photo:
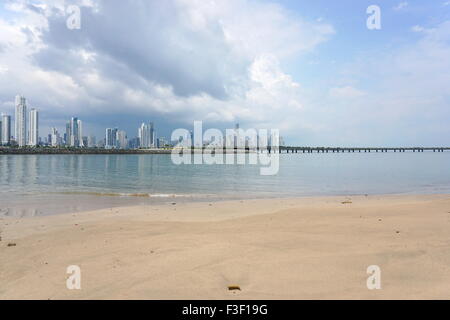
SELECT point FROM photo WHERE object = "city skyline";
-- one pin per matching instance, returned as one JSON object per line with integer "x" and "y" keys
{"x": 27, "y": 130}
{"x": 26, "y": 133}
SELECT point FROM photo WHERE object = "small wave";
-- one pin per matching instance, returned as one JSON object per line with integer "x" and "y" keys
{"x": 121, "y": 194}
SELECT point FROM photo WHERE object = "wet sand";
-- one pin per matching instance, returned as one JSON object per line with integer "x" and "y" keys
{"x": 303, "y": 248}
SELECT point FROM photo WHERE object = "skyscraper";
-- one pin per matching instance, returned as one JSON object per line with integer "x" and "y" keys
{"x": 55, "y": 138}
{"x": 21, "y": 120}
{"x": 146, "y": 134}
{"x": 111, "y": 138}
{"x": 91, "y": 141}
{"x": 108, "y": 138}
{"x": 122, "y": 141}
{"x": 74, "y": 136}
{"x": 6, "y": 129}
{"x": 152, "y": 135}
{"x": 80, "y": 134}
{"x": 68, "y": 134}
{"x": 33, "y": 130}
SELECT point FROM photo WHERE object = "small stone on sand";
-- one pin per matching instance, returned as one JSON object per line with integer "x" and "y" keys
{"x": 234, "y": 287}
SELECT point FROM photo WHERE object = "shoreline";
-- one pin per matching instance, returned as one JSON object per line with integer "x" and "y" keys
{"x": 74, "y": 202}
{"x": 283, "y": 248}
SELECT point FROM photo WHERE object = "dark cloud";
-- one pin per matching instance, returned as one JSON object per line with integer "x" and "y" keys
{"x": 147, "y": 39}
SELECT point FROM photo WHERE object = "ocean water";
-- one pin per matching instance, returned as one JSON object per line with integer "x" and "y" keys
{"x": 48, "y": 184}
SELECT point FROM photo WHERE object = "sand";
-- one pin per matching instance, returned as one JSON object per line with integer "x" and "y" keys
{"x": 306, "y": 248}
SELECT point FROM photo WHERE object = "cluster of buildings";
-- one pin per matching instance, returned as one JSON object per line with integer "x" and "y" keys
{"x": 118, "y": 139}
{"x": 26, "y": 133}
{"x": 26, "y": 126}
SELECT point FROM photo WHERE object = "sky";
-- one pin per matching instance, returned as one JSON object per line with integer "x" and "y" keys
{"x": 311, "y": 69}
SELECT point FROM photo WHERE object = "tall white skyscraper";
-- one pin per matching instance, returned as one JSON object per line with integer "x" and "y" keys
{"x": 146, "y": 135}
{"x": 80, "y": 134}
{"x": 33, "y": 130}
{"x": 56, "y": 139}
{"x": 21, "y": 121}
{"x": 6, "y": 129}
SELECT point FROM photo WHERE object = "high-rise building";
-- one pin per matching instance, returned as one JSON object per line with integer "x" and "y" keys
{"x": 122, "y": 141}
{"x": 68, "y": 134}
{"x": 152, "y": 135}
{"x": 6, "y": 129}
{"x": 111, "y": 138}
{"x": 161, "y": 142}
{"x": 145, "y": 133}
{"x": 91, "y": 142}
{"x": 21, "y": 121}
{"x": 33, "y": 130}
{"x": 108, "y": 138}
{"x": 133, "y": 143}
{"x": 81, "y": 142}
{"x": 55, "y": 138}
{"x": 74, "y": 136}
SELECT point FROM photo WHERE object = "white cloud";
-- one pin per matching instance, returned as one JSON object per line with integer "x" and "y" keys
{"x": 417, "y": 28}
{"x": 408, "y": 98}
{"x": 401, "y": 5}
{"x": 346, "y": 92}
{"x": 198, "y": 47}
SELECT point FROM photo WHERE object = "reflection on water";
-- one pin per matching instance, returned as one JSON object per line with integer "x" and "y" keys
{"x": 33, "y": 183}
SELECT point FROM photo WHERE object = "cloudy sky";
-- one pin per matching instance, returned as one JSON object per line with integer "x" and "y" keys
{"x": 309, "y": 68}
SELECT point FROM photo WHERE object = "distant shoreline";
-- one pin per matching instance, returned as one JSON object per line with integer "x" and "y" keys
{"x": 283, "y": 149}
{"x": 17, "y": 151}
{"x": 81, "y": 151}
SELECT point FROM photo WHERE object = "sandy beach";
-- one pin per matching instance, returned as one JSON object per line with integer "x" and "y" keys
{"x": 303, "y": 248}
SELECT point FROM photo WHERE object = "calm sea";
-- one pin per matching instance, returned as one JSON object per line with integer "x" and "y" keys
{"x": 48, "y": 184}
